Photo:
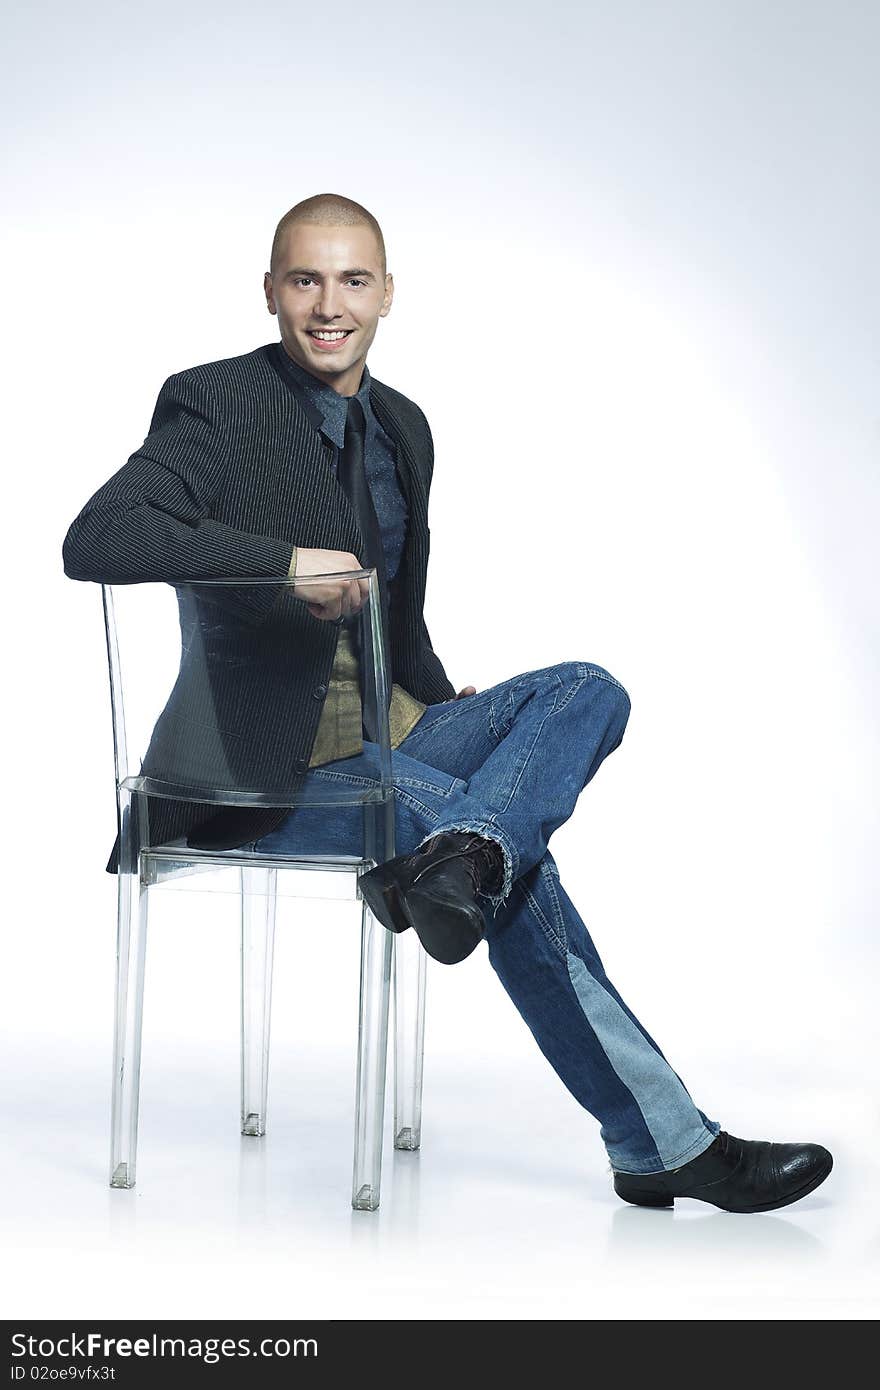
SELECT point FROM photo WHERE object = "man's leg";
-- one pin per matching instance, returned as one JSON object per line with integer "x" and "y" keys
{"x": 542, "y": 953}
{"x": 659, "y": 1144}
{"x": 546, "y": 960}
{"x": 526, "y": 747}
{"x": 509, "y": 764}
{"x": 527, "y": 750}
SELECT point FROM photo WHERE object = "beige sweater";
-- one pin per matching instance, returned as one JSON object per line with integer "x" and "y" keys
{"x": 339, "y": 728}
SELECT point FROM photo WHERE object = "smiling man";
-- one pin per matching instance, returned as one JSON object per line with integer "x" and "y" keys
{"x": 293, "y": 460}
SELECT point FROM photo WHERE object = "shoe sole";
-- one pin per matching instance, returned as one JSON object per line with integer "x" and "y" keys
{"x": 384, "y": 898}
{"x": 665, "y": 1200}
{"x": 448, "y": 936}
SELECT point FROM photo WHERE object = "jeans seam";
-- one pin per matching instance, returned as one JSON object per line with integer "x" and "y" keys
{"x": 458, "y": 784}
{"x": 603, "y": 676}
{"x": 572, "y": 690}
{"x": 492, "y": 724}
{"x": 350, "y": 777}
{"x": 416, "y": 805}
{"x": 535, "y": 907}
{"x": 421, "y": 785}
{"x": 445, "y": 718}
{"x": 531, "y": 751}
{"x": 549, "y": 879}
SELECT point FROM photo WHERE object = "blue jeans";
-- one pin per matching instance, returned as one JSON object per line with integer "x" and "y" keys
{"x": 509, "y": 763}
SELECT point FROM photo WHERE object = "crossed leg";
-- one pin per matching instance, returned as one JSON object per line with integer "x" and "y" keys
{"x": 509, "y": 763}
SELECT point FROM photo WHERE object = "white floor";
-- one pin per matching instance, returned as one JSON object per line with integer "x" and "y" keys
{"x": 507, "y": 1211}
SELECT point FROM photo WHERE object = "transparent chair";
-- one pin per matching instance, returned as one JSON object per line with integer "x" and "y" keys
{"x": 191, "y": 665}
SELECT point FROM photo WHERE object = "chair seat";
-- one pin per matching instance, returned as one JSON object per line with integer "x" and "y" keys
{"x": 302, "y": 876}
{"x": 180, "y": 851}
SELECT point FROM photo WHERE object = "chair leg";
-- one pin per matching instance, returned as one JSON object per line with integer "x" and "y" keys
{"x": 258, "y": 903}
{"x": 410, "y": 962}
{"x": 375, "y": 993}
{"x": 131, "y": 947}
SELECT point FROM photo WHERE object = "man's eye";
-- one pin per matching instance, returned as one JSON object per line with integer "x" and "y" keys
{"x": 307, "y": 280}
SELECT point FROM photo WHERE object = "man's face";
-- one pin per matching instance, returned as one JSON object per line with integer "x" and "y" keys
{"x": 327, "y": 280}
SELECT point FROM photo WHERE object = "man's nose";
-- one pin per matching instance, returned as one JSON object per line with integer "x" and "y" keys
{"x": 328, "y": 301}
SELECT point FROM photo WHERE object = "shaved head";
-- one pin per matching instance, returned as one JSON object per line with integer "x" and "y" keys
{"x": 326, "y": 210}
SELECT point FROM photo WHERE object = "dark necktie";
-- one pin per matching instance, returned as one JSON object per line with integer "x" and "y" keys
{"x": 352, "y": 478}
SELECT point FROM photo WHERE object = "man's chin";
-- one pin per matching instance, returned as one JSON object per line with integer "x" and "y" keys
{"x": 312, "y": 358}
{"x": 323, "y": 363}
{"x": 329, "y": 363}
{"x": 342, "y": 356}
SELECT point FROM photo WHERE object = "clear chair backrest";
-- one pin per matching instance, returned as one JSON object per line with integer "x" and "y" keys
{"x": 213, "y": 684}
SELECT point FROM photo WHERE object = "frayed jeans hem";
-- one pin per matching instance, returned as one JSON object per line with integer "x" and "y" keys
{"x": 490, "y": 831}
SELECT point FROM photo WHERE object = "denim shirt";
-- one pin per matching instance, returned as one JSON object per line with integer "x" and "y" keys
{"x": 380, "y": 455}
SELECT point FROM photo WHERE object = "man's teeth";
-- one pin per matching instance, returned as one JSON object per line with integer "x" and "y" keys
{"x": 331, "y": 337}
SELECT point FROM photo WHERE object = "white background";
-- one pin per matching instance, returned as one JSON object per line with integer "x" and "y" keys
{"x": 635, "y": 256}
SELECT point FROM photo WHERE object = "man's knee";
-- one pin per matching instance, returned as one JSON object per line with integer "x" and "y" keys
{"x": 572, "y": 671}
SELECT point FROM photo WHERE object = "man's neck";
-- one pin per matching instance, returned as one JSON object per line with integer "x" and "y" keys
{"x": 342, "y": 384}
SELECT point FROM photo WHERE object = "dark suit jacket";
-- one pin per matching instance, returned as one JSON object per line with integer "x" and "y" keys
{"x": 232, "y": 475}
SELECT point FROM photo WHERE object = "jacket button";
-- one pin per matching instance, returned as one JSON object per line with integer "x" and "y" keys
{"x": 319, "y": 692}
{"x": 301, "y": 765}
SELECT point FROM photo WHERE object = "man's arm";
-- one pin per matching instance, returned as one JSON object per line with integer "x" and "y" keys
{"x": 436, "y": 685}
{"x": 150, "y": 520}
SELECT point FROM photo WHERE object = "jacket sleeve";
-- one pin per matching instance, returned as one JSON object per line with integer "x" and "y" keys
{"x": 150, "y": 520}
{"x": 436, "y": 685}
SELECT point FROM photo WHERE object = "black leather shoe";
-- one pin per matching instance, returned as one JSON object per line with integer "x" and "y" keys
{"x": 734, "y": 1174}
{"x": 434, "y": 890}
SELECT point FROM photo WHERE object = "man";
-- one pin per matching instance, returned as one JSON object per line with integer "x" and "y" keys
{"x": 251, "y": 467}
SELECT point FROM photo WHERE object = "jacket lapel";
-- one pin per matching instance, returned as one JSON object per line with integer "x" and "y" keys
{"x": 409, "y": 473}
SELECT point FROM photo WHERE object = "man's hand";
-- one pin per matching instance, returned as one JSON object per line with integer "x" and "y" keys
{"x": 468, "y": 690}
{"x": 334, "y": 598}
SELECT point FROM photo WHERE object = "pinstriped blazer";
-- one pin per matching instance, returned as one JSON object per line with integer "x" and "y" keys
{"x": 232, "y": 475}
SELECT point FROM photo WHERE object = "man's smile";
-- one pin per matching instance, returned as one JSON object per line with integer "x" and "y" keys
{"x": 329, "y": 338}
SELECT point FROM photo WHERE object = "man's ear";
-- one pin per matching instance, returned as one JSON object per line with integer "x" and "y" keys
{"x": 389, "y": 295}
{"x": 267, "y": 287}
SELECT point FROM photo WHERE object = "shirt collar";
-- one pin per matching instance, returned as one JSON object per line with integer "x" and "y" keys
{"x": 329, "y": 405}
